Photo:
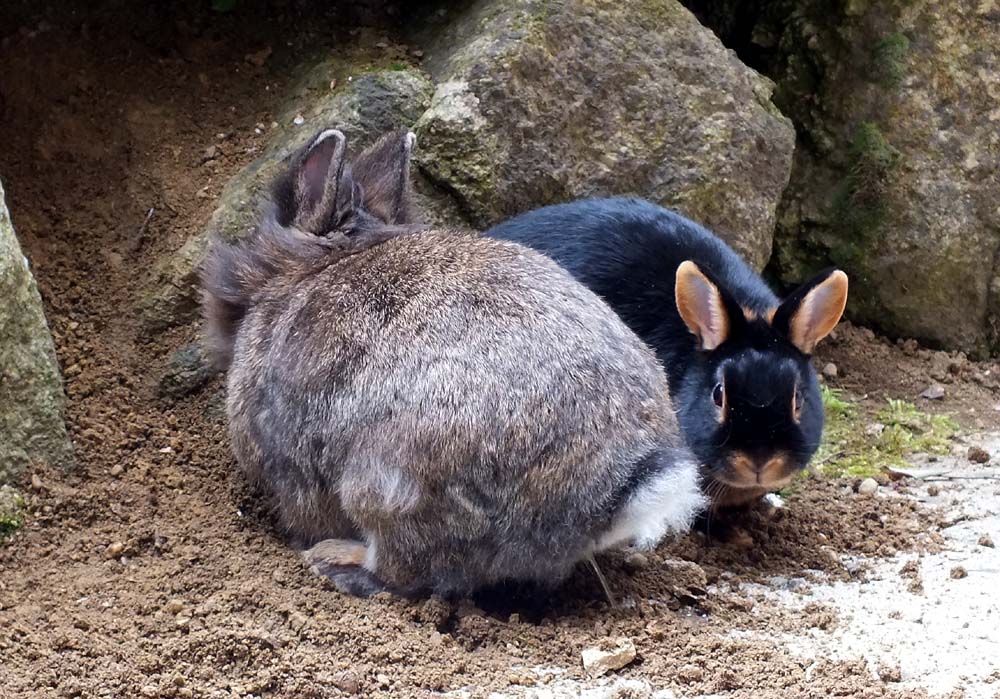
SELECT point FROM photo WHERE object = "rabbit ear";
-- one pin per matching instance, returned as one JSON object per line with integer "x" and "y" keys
{"x": 383, "y": 172}
{"x": 702, "y": 306}
{"x": 813, "y": 310}
{"x": 316, "y": 177}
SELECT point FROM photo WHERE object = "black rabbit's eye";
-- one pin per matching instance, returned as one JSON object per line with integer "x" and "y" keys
{"x": 717, "y": 394}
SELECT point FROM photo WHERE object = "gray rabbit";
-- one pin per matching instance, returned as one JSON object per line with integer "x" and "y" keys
{"x": 432, "y": 410}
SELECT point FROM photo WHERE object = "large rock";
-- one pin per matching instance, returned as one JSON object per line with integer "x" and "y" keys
{"x": 541, "y": 101}
{"x": 363, "y": 107}
{"x": 896, "y": 177}
{"x": 31, "y": 393}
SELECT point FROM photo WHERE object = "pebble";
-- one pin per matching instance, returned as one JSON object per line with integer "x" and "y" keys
{"x": 258, "y": 58}
{"x": 347, "y": 681}
{"x": 690, "y": 674}
{"x": 611, "y": 654}
{"x": 933, "y": 490}
{"x": 958, "y": 572}
{"x": 36, "y": 482}
{"x": 114, "y": 550}
{"x": 986, "y": 541}
{"x": 175, "y": 606}
{"x": 637, "y": 561}
{"x": 978, "y": 455}
{"x": 383, "y": 680}
{"x": 890, "y": 673}
{"x": 299, "y": 120}
{"x": 933, "y": 392}
{"x": 868, "y": 486}
{"x": 830, "y": 370}
{"x": 117, "y": 470}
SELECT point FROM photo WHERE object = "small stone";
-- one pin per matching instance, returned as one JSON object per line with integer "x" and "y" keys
{"x": 186, "y": 372}
{"x": 978, "y": 455}
{"x": 890, "y": 673}
{"x": 611, "y": 654}
{"x": 36, "y": 482}
{"x": 689, "y": 674}
{"x": 868, "y": 486}
{"x": 933, "y": 392}
{"x": 258, "y": 58}
{"x": 986, "y": 541}
{"x": 933, "y": 490}
{"x": 175, "y": 606}
{"x": 383, "y": 680}
{"x": 297, "y": 621}
{"x": 658, "y": 629}
{"x": 209, "y": 153}
{"x": 114, "y": 550}
{"x": 637, "y": 561}
{"x": 347, "y": 681}
{"x": 299, "y": 120}
{"x": 830, "y": 370}
{"x": 117, "y": 470}
{"x": 958, "y": 572}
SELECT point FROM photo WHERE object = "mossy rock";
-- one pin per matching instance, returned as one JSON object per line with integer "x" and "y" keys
{"x": 31, "y": 392}
{"x": 896, "y": 177}
{"x": 543, "y": 101}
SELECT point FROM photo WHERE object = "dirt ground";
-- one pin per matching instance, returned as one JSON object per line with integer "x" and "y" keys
{"x": 151, "y": 569}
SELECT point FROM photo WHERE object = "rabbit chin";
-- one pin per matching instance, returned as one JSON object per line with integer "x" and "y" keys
{"x": 667, "y": 504}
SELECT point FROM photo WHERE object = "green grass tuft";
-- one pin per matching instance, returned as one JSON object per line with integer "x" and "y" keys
{"x": 11, "y": 512}
{"x": 851, "y": 448}
{"x": 889, "y": 59}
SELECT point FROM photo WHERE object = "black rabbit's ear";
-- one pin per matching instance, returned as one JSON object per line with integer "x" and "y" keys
{"x": 307, "y": 194}
{"x": 702, "y": 306}
{"x": 813, "y": 310}
{"x": 383, "y": 172}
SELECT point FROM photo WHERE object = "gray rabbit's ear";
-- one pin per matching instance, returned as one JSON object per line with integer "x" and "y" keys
{"x": 316, "y": 176}
{"x": 383, "y": 173}
{"x": 701, "y": 306}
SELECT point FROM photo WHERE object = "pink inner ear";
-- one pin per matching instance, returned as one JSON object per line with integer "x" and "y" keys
{"x": 819, "y": 313}
{"x": 316, "y": 169}
{"x": 700, "y": 307}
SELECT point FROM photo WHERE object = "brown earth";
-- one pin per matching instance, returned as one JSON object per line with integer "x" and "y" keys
{"x": 151, "y": 569}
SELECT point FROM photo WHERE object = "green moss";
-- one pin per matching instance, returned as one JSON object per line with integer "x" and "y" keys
{"x": 851, "y": 448}
{"x": 889, "y": 59}
{"x": 861, "y": 204}
{"x": 11, "y": 512}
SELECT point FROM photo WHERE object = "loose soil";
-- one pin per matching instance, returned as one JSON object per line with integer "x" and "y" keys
{"x": 151, "y": 569}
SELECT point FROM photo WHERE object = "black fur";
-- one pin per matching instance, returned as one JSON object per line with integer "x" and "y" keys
{"x": 628, "y": 250}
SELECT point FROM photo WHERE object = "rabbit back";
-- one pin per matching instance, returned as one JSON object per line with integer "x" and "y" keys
{"x": 464, "y": 393}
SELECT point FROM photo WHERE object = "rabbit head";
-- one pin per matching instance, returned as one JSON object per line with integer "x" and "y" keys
{"x": 751, "y": 406}
{"x": 323, "y": 207}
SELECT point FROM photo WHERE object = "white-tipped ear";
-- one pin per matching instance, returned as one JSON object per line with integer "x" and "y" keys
{"x": 700, "y": 305}
{"x": 819, "y": 312}
{"x": 318, "y": 179}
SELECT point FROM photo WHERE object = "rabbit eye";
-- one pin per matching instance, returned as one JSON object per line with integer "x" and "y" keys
{"x": 717, "y": 394}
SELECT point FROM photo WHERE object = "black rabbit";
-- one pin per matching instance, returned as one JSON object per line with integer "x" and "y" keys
{"x": 432, "y": 410}
{"x": 737, "y": 357}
